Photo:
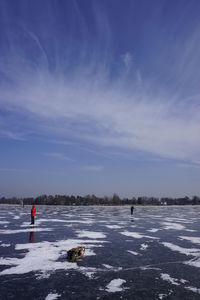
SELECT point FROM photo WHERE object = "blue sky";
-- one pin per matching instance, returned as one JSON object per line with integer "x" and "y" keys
{"x": 98, "y": 97}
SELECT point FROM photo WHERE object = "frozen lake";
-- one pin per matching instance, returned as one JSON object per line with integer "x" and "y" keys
{"x": 154, "y": 254}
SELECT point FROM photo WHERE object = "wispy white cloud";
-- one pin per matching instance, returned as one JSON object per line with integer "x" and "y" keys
{"x": 11, "y": 135}
{"x": 127, "y": 60}
{"x": 89, "y": 106}
{"x": 108, "y": 116}
{"x": 58, "y": 156}
{"x": 192, "y": 164}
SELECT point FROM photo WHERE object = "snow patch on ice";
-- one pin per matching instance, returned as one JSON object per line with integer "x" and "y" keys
{"x": 43, "y": 275}
{"x": 192, "y": 239}
{"x": 162, "y": 296}
{"x": 52, "y": 296}
{"x": 107, "y": 266}
{"x": 89, "y": 252}
{"x": 193, "y": 289}
{"x": 173, "y": 226}
{"x": 89, "y": 272}
{"x": 169, "y": 279}
{"x": 149, "y": 268}
{"x": 45, "y": 257}
{"x": 133, "y": 252}
{"x": 183, "y": 281}
{"x": 88, "y": 221}
{"x": 143, "y": 247}
{"x": 51, "y": 220}
{"x": 153, "y": 230}
{"x": 115, "y": 285}
{"x": 90, "y": 234}
{"x": 90, "y": 275}
{"x": 137, "y": 235}
{"x": 87, "y": 215}
{"x": 186, "y": 251}
{"x": 4, "y": 222}
{"x": 193, "y": 263}
{"x": 113, "y": 226}
{"x": 5, "y": 245}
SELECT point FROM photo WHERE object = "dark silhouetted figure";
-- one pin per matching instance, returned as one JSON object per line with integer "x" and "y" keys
{"x": 132, "y": 209}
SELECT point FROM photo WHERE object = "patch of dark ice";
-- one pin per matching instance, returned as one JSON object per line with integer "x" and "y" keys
{"x": 14, "y": 231}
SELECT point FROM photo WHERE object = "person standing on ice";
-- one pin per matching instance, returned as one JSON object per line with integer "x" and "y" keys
{"x": 132, "y": 208}
{"x": 33, "y": 213}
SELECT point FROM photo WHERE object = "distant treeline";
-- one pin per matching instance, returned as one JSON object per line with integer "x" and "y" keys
{"x": 94, "y": 200}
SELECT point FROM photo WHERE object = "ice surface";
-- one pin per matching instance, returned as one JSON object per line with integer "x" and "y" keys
{"x": 193, "y": 289}
{"x": 137, "y": 235}
{"x": 192, "y": 239}
{"x": 194, "y": 263}
{"x": 173, "y": 226}
{"x": 114, "y": 260}
{"x": 88, "y": 221}
{"x": 186, "y": 251}
{"x": 44, "y": 256}
{"x": 4, "y": 222}
{"x": 32, "y": 229}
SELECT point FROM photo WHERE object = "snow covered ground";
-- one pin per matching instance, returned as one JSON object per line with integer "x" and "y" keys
{"x": 154, "y": 254}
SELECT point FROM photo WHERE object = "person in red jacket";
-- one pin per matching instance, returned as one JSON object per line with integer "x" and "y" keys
{"x": 33, "y": 213}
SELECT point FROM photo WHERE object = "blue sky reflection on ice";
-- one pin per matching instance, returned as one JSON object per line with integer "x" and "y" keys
{"x": 99, "y": 97}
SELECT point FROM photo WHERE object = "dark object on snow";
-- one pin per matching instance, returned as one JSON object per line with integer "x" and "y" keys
{"x": 132, "y": 208}
{"x": 75, "y": 253}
